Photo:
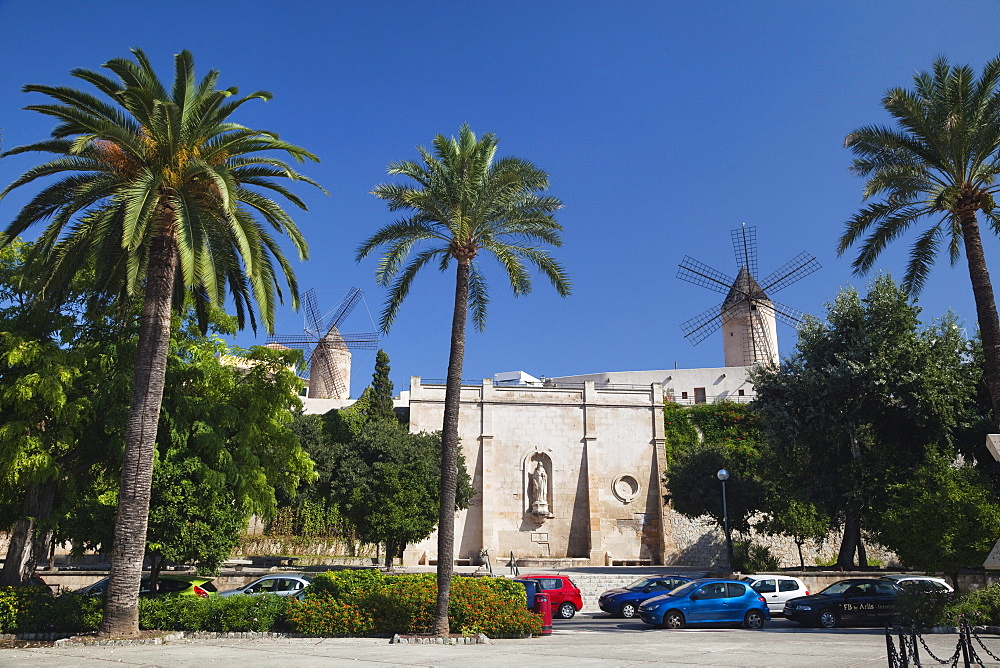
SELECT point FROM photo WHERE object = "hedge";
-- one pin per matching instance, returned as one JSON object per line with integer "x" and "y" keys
{"x": 36, "y": 610}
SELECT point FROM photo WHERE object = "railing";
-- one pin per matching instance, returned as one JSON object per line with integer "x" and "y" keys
{"x": 908, "y": 651}
{"x": 512, "y": 565}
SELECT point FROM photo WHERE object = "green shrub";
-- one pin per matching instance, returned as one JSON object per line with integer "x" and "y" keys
{"x": 750, "y": 558}
{"x": 265, "y": 612}
{"x": 36, "y": 610}
{"x": 925, "y": 609}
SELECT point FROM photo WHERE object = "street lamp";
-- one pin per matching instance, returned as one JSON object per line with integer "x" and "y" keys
{"x": 723, "y": 476}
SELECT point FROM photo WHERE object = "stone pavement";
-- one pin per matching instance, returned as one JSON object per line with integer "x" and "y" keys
{"x": 587, "y": 641}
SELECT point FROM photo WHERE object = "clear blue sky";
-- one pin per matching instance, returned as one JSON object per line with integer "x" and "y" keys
{"x": 663, "y": 126}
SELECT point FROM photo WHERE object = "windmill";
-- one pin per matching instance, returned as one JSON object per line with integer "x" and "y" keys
{"x": 327, "y": 350}
{"x": 748, "y": 315}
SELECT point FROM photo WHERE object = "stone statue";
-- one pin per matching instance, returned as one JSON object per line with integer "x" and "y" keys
{"x": 539, "y": 490}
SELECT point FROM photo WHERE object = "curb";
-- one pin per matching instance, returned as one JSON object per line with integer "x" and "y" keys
{"x": 478, "y": 639}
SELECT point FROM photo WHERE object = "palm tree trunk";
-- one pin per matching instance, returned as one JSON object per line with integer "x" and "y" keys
{"x": 121, "y": 610}
{"x": 449, "y": 450}
{"x": 986, "y": 309}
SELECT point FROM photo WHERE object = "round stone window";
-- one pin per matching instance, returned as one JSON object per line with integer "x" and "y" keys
{"x": 626, "y": 488}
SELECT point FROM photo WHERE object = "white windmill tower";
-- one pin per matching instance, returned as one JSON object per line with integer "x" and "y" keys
{"x": 748, "y": 317}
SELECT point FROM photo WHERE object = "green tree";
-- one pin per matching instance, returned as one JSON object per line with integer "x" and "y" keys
{"x": 381, "y": 389}
{"x": 163, "y": 195}
{"x": 942, "y": 519}
{"x": 799, "y": 520}
{"x": 857, "y": 405}
{"x": 388, "y": 484}
{"x": 940, "y": 165}
{"x": 463, "y": 203}
{"x": 54, "y": 376}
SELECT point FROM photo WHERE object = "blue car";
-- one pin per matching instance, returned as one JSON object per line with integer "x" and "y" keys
{"x": 625, "y": 602}
{"x": 707, "y": 601}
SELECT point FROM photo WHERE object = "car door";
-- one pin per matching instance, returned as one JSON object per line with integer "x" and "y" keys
{"x": 734, "y": 603}
{"x": 859, "y": 603}
{"x": 787, "y": 590}
{"x": 885, "y": 602}
{"x": 552, "y": 587}
{"x": 708, "y": 603}
{"x": 768, "y": 588}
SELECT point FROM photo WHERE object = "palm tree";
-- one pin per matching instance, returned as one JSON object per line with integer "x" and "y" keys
{"x": 160, "y": 194}
{"x": 939, "y": 165}
{"x": 463, "y": 203}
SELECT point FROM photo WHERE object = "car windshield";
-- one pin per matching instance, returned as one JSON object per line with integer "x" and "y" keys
{"x": 641, "y": 584}
{"x": 837, "y": 588}
{"x": 684, "y": 588}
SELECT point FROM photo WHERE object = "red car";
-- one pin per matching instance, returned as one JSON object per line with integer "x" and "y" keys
{"x": 563, "y": 594}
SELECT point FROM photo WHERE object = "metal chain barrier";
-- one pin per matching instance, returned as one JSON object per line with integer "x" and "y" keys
{"x": 979, "y": 640}
{"x": 953, "y": 659}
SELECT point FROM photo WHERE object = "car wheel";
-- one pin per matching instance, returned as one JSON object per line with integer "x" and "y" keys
{"x": 673, "y": 620}
{"x": 628, "y": 610}
{"x": 828, "y": 619}
{"x": 754, "y": 619}
{"x": 566, "y": 611}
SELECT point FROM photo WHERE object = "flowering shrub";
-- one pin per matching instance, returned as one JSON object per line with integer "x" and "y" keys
{"x": 327, "y": 617}
{"x": 980, "y": 606}
{"x": 925, "y": 609}
{"x": 371, "y": 603}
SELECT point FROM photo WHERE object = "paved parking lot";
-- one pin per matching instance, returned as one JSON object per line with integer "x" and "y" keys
{"x": 587, "y": 640}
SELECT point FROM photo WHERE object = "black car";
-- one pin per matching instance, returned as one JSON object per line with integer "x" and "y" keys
{"x": 855, "y": 601}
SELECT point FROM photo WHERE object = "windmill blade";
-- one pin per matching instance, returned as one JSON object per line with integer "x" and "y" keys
{"x": 732, "y": 310}
{"x": 786, "y": 314}
{"x": 745, "y": 245}
{"x": 798, "y": 267}
{"x": 701, "y": 326}
{"x": 344, "y": 308}
{"x": 692, "y": 271}
{"x": 756, "y": 342}
{"x": 314, "y": 320}
{"x": 367, "y": 341}
{"x": 292, "y": 340}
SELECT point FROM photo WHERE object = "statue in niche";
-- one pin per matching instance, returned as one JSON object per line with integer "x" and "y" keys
{"x": 538, "y": 490}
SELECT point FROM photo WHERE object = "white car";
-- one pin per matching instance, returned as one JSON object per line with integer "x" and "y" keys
{"x": 921, "y": 582}
{"x": 776, "y": 589}
{"x": 282, "y": 585}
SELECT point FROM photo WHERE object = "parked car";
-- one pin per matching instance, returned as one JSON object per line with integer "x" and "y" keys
{"x": 166, "y": 585}
{"x": 707, "y": 601}
{"x": 777, "y": 589}
{"x": 625, "y": 602}
{"x": 282, "y": 585}
{"x": 919, "y": 583}
{"x": 563, "y": 594}
{"x": 854, "y": 601}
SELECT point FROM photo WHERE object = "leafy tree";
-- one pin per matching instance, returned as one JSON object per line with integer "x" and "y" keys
{"x": 160, "y": 193}
{"x": 463, "y": 203}
{"x": 54, "y": 377}
{"x": 388, "y": 484}
{"x": 943, "y": 519}
{"x": 856, "y": 407}
{"x": 799, "y": 520}
{"x": 940, "y": 165}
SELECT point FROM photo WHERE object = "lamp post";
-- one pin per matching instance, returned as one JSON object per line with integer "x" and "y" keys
{"x": 723, "y": 476}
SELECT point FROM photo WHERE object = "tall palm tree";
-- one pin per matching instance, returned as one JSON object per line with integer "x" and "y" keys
{"x": 463, "y": 203}
{"x": 160, "y": 193}
{"x": 939, "y": 165}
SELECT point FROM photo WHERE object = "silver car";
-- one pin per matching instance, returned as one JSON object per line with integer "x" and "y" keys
{"x": 776, "y": 589}
{"x": 282, "y": 585}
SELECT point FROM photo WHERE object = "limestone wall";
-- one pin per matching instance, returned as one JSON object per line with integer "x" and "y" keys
{"x": 599, "y": 448}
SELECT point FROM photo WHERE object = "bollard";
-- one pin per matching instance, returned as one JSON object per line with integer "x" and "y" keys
{"x": 544, "y": 608}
